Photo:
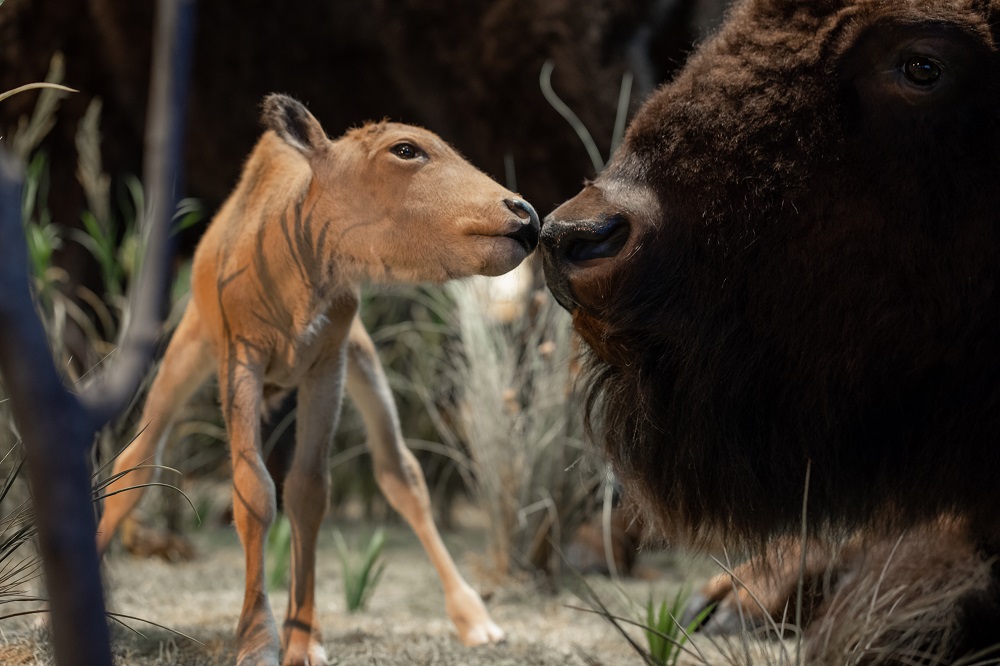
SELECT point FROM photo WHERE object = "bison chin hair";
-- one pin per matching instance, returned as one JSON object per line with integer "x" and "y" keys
{"x": 689, "y": 411}
{"x": 631, "y": 372}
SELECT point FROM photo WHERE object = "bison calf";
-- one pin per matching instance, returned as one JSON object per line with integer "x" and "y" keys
{"x": 274, "y": 306}
{"x": 791, "y": 270}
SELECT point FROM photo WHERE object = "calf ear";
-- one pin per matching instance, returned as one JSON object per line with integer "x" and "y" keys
{"x": 291, "y": 121}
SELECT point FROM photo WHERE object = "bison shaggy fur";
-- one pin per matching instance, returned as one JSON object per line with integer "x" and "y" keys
{"x": 789, "y": 276}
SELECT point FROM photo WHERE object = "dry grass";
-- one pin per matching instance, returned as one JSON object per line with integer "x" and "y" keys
{"x": 900, "y": 604}
{"x": 518, "y": 417}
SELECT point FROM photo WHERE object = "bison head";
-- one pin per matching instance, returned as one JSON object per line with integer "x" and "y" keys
{"x": 792, "y": 264}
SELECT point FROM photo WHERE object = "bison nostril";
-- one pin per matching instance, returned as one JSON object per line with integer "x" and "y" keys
{"x": 601, "y": 241}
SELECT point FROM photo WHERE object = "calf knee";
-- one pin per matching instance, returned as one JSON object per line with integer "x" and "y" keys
{"x": 402, "y": 482}
{"x": 254, "y": 495}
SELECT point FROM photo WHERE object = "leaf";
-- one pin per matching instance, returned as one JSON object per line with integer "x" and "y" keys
{"x": 189, "y": 213}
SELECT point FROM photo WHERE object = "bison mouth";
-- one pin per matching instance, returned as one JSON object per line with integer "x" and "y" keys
{"x": 573, "y": 248}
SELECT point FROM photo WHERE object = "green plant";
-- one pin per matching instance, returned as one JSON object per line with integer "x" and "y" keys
{"x": 664, "y": 634}
{"x": 189, "y": 213}
{"x": 361, "y": 575}
{"x": 279, "y": 552}
{"x": 670, "y": 643}
{"x": 43, "y": 237}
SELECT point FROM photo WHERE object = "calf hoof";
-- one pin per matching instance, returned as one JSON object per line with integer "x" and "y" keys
{"x": 303, "y": 648}
{"x": 146, "y": 542}
{"x": 482, "y": 634}
{"x": 262, "y": 657}
{"x": 471, "y": 619}
{"x": 257, "y": 637}
{"x": 312, "y": 654}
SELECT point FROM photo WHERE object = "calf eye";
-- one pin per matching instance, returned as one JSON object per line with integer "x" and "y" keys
{"x": 922, "y": 71}
{"x": 405, "y": 151}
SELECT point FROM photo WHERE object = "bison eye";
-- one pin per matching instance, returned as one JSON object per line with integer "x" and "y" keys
{"x": 406, "y": 151}
{"x": 922, "y": 71}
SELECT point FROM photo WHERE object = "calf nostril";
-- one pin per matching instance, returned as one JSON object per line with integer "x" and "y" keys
{"x": 517, "y": 207}
{"x": 523, "y": 210}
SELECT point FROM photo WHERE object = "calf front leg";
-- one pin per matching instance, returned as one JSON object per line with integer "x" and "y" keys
{"x": 240, "y": 387}
{"x": 306, "y": 494}
{"x": 401, "y": 480}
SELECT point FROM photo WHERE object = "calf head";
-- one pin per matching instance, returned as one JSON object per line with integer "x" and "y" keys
{"x": 408, "y": 207}
{"x": 792, "y": 263}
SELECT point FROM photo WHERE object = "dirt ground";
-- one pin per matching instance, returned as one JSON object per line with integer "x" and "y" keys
{"x": 404, "y": 623}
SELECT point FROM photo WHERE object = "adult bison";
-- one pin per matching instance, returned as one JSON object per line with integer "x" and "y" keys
{"x": 789, "y": 280}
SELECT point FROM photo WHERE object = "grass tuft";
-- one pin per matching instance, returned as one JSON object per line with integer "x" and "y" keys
{"x": 664, "y": 634}
{"x": 361, "y": 574}
{"x": 515, "y": 413}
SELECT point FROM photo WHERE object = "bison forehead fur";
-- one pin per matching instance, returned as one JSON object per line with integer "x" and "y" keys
{"x": 817, "y": 287}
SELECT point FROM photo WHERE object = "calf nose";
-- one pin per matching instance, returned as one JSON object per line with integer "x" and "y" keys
{"x": 527, "y": 234}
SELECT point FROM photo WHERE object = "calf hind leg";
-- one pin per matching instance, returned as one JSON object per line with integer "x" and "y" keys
{"x": 186, "y": 364}
{"x": 401, "y": 480}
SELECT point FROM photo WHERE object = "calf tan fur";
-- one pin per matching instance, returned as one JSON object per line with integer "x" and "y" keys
{"x": 274, "y": 306}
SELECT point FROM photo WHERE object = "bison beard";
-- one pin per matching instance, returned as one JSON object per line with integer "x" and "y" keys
{"x": 792, "y": 264}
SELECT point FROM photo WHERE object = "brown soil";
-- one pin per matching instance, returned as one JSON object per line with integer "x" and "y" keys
{"x": 404, "y": 623}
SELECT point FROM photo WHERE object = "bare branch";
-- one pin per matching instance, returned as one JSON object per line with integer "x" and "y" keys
{"x": 56, "y": 432}
{"x": 112, "y": 390}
